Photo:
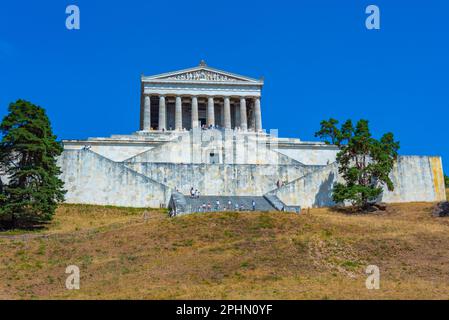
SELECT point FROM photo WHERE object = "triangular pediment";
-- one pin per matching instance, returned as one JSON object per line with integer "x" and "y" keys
{"x": 202, "y": 74}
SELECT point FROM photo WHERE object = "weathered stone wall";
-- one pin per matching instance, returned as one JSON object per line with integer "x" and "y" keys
{"x": 245, "y": 167}
{"x": 416, "y": 179}
{"x": 311, "y": 155}
{"x": 197, "y": 146}
{"x": 221, "y": 179}
{"x": 114, "y": 152}
{"x": 92, "y": 179}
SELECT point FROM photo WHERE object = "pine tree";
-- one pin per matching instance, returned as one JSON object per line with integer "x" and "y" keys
{"x": 28, "y": 153}
{"x": 364, "y": 162}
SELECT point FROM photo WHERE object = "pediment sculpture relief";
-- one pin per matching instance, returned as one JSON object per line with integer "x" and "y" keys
{"x": 202, "y": 75}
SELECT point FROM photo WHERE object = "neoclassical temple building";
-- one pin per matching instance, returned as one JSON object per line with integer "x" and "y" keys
{"x": 200, "y": 96}
{"x": 201, "y": 129}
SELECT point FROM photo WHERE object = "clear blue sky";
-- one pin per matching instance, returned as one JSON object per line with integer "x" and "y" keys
{"x": 317, "y": 57}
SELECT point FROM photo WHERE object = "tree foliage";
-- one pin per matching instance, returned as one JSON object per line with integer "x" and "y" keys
{"x": 31, "y": 188}
{"x": 446, "y": 181}
{"x": 364, "y": 162}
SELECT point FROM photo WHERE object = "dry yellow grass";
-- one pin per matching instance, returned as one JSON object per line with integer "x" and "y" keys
{"x": 321, "y": 254}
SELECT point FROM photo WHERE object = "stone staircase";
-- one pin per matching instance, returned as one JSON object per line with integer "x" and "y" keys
{"x": 181, "y": 204}
{"x": 273, "y": 199}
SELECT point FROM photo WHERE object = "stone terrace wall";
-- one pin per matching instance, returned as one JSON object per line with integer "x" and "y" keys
{"x": 116, "y": 152}
{"x": 312, "y": 190}
{"x": 92, "y": 179}
{"x": 196, "y": 148}
{"x": 416, "y": 179}
{"x": 221, "y": 179}
{"x": 310, "y": 155}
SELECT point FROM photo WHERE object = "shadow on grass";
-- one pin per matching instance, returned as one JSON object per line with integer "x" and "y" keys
{"x": 354, "y": 210}
{"x": 8, "y": 225}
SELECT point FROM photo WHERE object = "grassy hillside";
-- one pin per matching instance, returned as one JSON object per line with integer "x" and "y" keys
{"x": 317, "y": 255}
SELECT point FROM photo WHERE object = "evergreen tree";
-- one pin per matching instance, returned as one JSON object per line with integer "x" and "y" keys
{"x": 28, "y": 151}
{"x": 2, "y": 195}
{"x": 364, "y": 162}
{"x": 446, "y": 181}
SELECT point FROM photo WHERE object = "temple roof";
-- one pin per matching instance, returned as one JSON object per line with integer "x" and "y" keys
{"x": 200, "y": 74}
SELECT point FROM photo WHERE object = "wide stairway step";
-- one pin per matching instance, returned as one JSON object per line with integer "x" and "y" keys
{"x": 227, "y": 203}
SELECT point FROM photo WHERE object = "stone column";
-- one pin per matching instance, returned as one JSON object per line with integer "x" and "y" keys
{"x": 210, "y": 112}
{"x": 178, "y": 114}
{"x": 162, "y": 112}
{"x": 236, "y": 116}
{"x": 221, "y": 108}
{"x": 227, "y": 113}
{"x": 251, "y": 121}
{"x": 195, "y": 123}
{"x": 147, "y": 114}
{"x": 243, "y": 117}
{"x": 258, "y": 114}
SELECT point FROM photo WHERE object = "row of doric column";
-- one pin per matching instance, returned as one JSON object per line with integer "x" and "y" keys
{"x": 210, "y": 111}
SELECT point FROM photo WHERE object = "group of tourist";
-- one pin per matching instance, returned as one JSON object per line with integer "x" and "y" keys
{"x": 194, "y": 193}
{"x": 209, "y": 127}
{"x": 203, "y": 127}
{"x": 228, "y": 207}
{"x": 208, "y": 207}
